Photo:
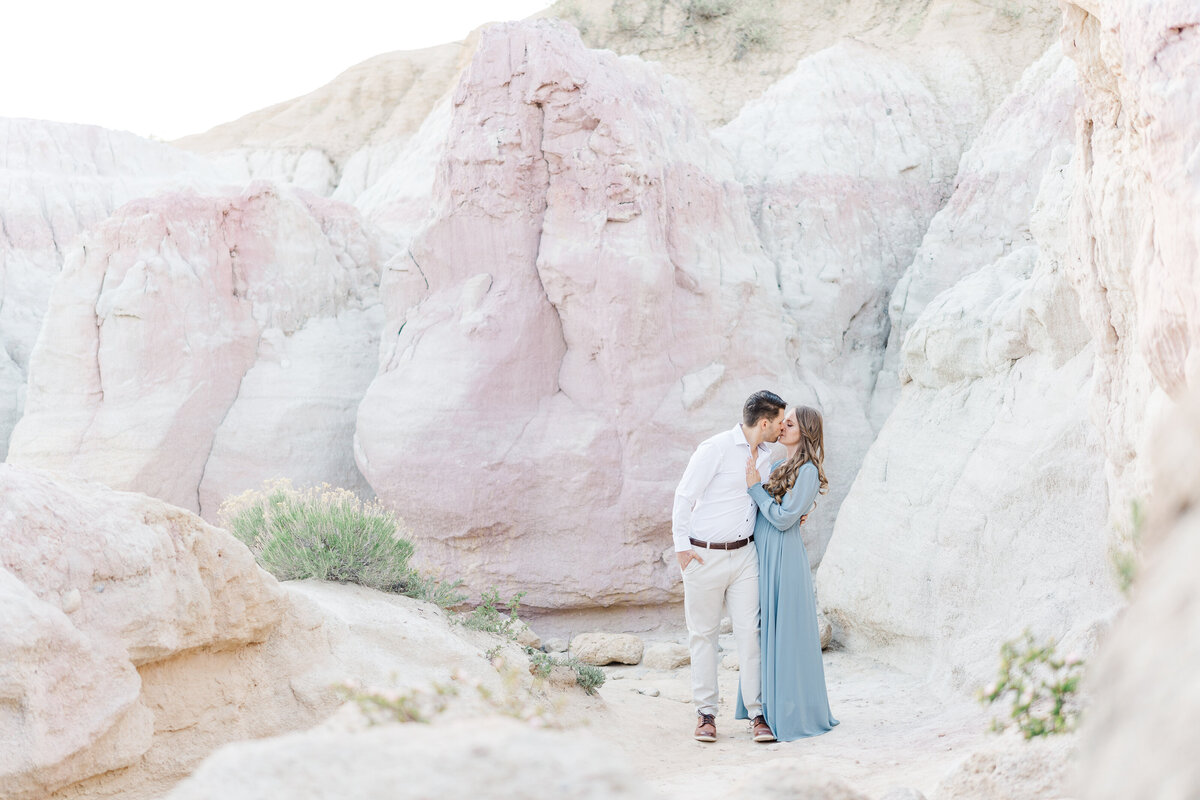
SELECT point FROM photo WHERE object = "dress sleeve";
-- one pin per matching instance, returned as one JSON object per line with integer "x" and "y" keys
{"x": 795, "y": 503}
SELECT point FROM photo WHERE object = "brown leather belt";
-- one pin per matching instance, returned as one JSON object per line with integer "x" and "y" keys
{"x": 722, "y": 545}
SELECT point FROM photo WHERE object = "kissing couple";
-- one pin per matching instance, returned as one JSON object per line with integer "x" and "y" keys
{"x": 730, "y": 497}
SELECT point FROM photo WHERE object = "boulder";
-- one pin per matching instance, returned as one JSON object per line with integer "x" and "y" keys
{"x": 1014, "y": 769}
{"x": 100, "y": 584}
{"x": 196, "y": 346}
{"x": 599, "y": 649}
{"x": 58, "y": 180}
{"x": 585, "y": 233}
{"x": 525, "y": 635}
{"x": 489, "y": 757}
{"x": 666, "y": 655}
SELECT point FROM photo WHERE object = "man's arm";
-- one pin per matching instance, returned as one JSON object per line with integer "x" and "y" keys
{"x": 699, "y": 473}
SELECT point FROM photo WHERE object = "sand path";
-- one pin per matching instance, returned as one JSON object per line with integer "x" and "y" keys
{"x": 894, "y": 731}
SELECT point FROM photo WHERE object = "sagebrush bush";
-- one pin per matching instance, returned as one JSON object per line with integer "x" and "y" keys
{"x": 329, "y": 534}
{"x": 487, "y": 617}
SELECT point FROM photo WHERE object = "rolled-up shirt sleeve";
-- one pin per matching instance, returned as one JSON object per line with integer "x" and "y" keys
{"x": 699, "y": 473}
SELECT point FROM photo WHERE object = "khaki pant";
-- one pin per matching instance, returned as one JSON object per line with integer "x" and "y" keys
{"x": 726, "y": 578}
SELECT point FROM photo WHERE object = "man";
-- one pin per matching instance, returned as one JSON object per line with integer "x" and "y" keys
{"x": 712, "y": 524}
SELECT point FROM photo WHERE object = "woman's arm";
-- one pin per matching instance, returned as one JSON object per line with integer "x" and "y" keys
{"x": 795, "y": 503}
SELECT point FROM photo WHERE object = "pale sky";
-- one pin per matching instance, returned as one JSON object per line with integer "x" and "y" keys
{"x": 168, "y": 69}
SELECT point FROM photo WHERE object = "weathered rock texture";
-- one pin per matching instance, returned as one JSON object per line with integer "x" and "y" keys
{"x": 138, "y": 638}
{"x": 1138, "y": 737}
{"x": 96, "y": 585}
{"x": 1134, "y": 236}
{"x": 845, "y": 162}
{"x": 496, "y": 757}
{"x": 1134, "y": 224}
{"x": 55, "y": 181}
{"x": 980, "y": 509}
{"x": 589, "y": 302}
{"x": 1015, "y": 769}
{"x": 198, "y": 345}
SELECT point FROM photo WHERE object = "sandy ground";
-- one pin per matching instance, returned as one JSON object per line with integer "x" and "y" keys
{"x": 894, "y": 731}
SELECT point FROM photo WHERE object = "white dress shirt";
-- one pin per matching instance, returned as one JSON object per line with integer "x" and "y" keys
{"x": 711, "y": 502}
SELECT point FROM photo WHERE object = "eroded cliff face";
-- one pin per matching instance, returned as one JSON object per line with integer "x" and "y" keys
{"x": 1134, "y": 237}
{"x": 981, "y": 507}
{"x": 57, "y": 180}
{"x": 197, "y": 345}
{"x": 589, "y": 302}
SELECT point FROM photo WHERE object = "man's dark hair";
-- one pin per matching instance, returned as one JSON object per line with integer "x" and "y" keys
{"x": 762, "y": 404}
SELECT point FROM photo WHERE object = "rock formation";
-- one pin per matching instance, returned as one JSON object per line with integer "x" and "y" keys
{"x": 588, "y": 303}
{"x": 59, "y": 179}
{"x": 1133, "y": 221}
{"x": 980, "y": 508}
{"x": 845, "y": 162}
{"x": 498, "y": 757}
{"x": 97, "y": 585}
{"x": 198, "y": 345}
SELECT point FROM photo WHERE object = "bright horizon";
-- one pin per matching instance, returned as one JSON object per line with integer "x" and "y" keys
{"x": 156, "y": 71}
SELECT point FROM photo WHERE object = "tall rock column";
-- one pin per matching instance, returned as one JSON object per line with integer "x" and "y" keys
{"x": 588, "y": 303}
{"x": 1134, "y": 237}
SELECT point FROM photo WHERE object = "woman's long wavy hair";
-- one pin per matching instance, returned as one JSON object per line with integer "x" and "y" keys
{"x": 812, "y": 448}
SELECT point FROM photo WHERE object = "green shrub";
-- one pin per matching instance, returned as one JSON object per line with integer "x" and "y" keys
{"x": 1043, "y": 688}
{"x": 329, "y": 534}
{"x": 1124, "y": 554}
{"x": 589, "y": 677}
{"x": 487, "y": 617}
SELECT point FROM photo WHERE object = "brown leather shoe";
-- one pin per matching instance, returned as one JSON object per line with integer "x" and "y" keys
{"x": 762, "y": 731}
{"x": 706, "y": 728}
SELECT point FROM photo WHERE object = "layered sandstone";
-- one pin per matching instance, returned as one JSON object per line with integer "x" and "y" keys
{"x": 980, "y": 509}
{"x": 97, "y": 585}
{"x": 56, "y": 180}
{"x": 588, "y": 302}
{"x": 197, "y": 345}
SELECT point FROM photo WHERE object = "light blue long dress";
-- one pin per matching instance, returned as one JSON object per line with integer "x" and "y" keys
{"x": 795, "y": 702}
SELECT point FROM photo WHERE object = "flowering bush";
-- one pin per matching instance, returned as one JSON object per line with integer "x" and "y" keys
{"x": 1043, "y": 688}
{"x": 329, "y": 534}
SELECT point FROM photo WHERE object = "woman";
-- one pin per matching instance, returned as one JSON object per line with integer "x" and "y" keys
{"x": 795, "y": 703}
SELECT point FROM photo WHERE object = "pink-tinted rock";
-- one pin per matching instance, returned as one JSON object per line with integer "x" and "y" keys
{"x": 597, "y": 303}
{"x": 56, "y": 180}
{"x": 171, "y": 309}
{"x": 845, "y": 162}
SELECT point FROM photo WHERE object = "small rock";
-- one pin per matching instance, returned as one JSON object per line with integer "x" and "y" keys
{"x": 555, "y": 645}
{"x": 71, "y": 601}
{"x": 525, "y": 635}
{"x": 726, "y": 625}
{"x": 562, "y": 677}
{"x": 730, "y": 661}
{"x": 649, "y": 692}
{"x": 599, "y": 649}
{"x": 665, "y": 655}
{"x": 826, "y": 629}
